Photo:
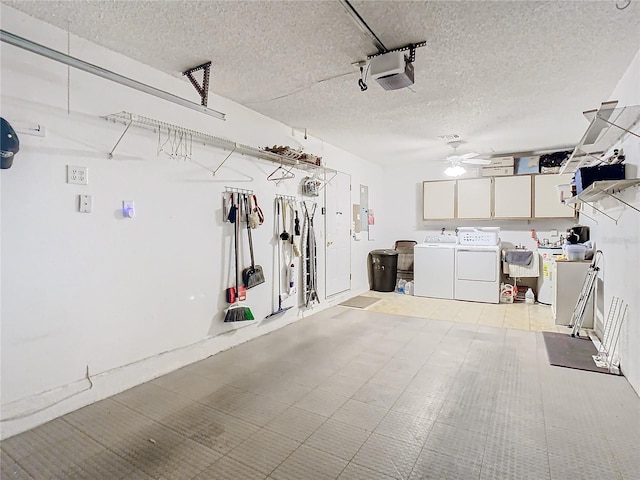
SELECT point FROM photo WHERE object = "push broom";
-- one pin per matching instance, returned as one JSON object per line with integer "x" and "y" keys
{"x": 237, "y": 312}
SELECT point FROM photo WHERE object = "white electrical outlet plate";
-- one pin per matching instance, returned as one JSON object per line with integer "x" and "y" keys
{"x": 86, "y": 203}
{"x": 553, "y": 233}
{"x": 77, "y": 175}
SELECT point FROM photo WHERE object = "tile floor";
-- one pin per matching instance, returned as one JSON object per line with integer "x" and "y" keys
{"x": 354, "y": 394}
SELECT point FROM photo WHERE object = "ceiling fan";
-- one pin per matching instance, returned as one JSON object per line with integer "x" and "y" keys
{"x": 456, "y": 169}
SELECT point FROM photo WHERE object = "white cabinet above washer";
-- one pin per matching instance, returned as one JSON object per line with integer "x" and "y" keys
{"x": 474, "y": 198}
{"x": 439, "y": 200}
{"x": 512, "y": 197}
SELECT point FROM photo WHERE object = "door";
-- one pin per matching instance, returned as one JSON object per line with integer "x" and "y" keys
{"x": 338, "y": 235}
{"x": 438, "y": 202}
{"x": 477, "y": 265}
{"x": 474, "y": 198}
{"x": 546, "y": 201}
{"x": 433, "y": 271}
{"x": 512, "y": 197}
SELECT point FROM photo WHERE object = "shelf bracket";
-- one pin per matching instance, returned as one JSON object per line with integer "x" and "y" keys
{"x": 600, "y": 211}
{"x": 588, "y": 216}
{"x": 110, "y": 154}
{"x": 203, "y": 90}
{"x": 225, "y": 160}
{"x": 618, "y": 199}
{"x": 606, "y": 120}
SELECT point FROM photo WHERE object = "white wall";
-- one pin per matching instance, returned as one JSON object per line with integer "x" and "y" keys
{"x": 620, "y": 242}
{"x": 130, "y": 299}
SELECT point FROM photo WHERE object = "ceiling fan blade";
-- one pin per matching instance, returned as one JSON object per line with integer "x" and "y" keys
{"x": 477, "y": 161}
{"x": 467, "y": 156}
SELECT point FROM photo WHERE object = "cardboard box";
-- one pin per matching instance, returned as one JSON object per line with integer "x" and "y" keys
{"x": 501, "y": 162}
{"x": 497, "y": 171}
{"x": 527, "y": 165}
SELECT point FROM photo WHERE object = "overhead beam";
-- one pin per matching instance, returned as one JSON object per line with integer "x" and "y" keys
{"x": 47, "y": 52}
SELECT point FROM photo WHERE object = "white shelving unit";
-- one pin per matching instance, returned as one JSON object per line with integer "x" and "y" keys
{"x": 605, "y": 188}
{"x": 181, "y": 139}
{"x": 607, "y": 125}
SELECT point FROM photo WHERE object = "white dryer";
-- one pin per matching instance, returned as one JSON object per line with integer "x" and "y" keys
{"x": 477, "y": 265}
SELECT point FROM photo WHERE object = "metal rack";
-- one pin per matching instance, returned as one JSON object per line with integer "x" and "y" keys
{"x": 602, "y": 189}
{"x": 182, "y": 140}
{"x": 607, "y": 125}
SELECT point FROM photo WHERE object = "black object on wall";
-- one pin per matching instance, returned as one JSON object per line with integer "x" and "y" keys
{"x": 10, "y": 144}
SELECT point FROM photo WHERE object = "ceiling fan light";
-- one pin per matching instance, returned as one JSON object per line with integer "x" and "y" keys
{"x": 455, "y": 171}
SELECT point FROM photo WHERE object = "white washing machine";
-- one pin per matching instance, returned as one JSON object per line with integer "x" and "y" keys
{"x": 433, "y": 270}
{"x": 477, "y": 265}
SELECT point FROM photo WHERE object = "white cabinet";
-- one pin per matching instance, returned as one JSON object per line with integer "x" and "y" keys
{"x": 512, "y": 197}
{"x": 439, "y": 200}
{"x": 547, "y": 203}
{"x": 567, "y": 281}
{"x": 474, "y": 198}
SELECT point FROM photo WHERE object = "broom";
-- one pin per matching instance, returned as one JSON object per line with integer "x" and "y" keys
{"x": 236, "y": 311}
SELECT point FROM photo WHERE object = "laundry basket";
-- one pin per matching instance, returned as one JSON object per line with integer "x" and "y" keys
{"x": 405, "y": 258}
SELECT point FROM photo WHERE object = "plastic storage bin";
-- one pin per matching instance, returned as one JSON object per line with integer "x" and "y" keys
{"x": 575, "y": 253}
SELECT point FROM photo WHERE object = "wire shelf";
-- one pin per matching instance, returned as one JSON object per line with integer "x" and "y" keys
{"x": 606, "y": 126}
{"x": 130, "y": 119}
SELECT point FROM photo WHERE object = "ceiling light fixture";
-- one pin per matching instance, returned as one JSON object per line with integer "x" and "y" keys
{"x": 455, "y": 170}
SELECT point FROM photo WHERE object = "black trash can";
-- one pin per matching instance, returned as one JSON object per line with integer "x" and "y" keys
{"x": 383, "y": 268}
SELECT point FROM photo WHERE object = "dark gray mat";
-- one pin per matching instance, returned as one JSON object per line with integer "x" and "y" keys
{"x": 566, "y": 351}
{"x": 359, "y": 302}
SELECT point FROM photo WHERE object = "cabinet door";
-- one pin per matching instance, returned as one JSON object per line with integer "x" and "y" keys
{"x": 512, "y": 197}
{"x": 474, "y": 198}
{"x": 547, "y": 203}
{"x": 439, "y": 200}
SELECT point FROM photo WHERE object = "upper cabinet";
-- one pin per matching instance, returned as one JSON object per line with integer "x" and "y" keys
{"x": 547, "y": 203}
{"x": 474, "y": 198}
{"x": 509, "y": 197}
{"x": 512, "y": 197}
{"x": 439, "y": 200}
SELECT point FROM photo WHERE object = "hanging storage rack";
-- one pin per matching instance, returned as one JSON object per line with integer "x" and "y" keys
{"x": 192, "y": 136}
{"x": 607, "y": 125}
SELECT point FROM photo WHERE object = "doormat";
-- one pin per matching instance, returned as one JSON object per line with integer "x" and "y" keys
{"x": 359, "y": 302}
{"x": 566, "y": 351}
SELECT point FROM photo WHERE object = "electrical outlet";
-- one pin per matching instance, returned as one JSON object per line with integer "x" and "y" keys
{"x": 85, "y": 203}
{"x": 77, "y": 175}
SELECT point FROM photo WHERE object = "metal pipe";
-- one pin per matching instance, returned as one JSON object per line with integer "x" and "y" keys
{"x": 47, "y": 52}
{"x": 363, "y": 25}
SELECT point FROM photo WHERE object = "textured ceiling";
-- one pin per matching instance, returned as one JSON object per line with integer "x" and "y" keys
{"x": 506, "y": 75}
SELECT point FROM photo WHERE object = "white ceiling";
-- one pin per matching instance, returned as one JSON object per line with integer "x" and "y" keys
{"x": 507, "y": 75}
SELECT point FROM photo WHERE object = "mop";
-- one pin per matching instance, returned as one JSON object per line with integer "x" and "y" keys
{"x": 309, "y": 264}
{"x": 280, "y": 310}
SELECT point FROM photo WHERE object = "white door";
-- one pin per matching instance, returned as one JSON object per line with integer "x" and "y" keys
{"x": 439, "y": 200}
{"x": 474, "y": 198}
{"x": 512, "y": 196}
{"x": 338, "y": 234}
{"x": 546, "y": 201}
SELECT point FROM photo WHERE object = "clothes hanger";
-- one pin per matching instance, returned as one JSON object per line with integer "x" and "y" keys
{"x": 281, "y": 174}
